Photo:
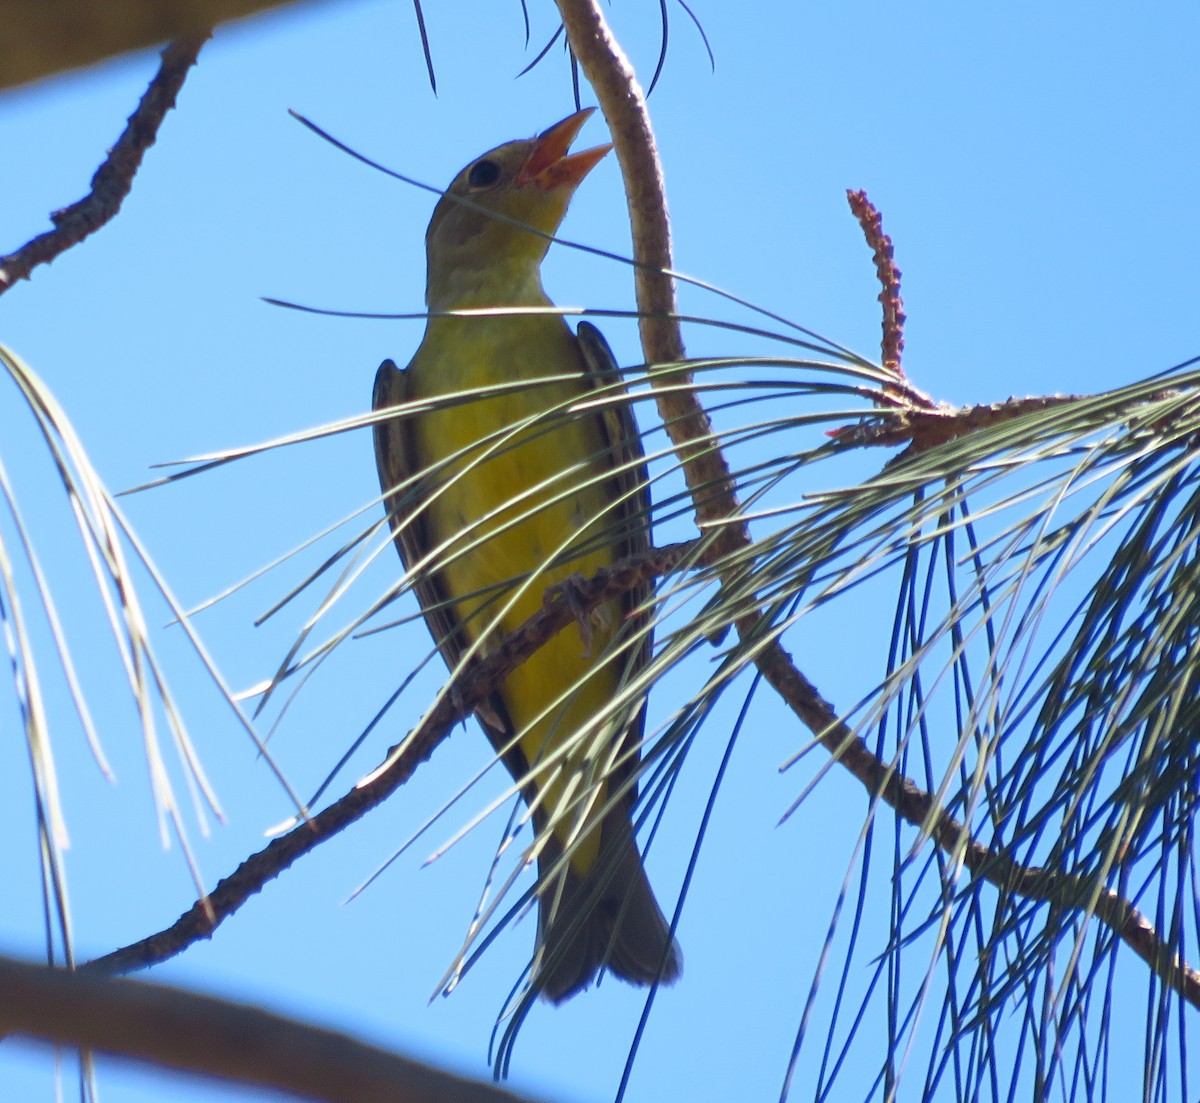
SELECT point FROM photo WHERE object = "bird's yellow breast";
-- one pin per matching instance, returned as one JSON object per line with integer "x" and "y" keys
{"x": 513, "y": 502}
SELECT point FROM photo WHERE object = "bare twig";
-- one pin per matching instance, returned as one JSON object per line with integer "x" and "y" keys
{"x": 114, "y": 178}
{"x": 884, "y": 256}
{"x": 219, "y": 1039}
{"x": 922, "y": 429}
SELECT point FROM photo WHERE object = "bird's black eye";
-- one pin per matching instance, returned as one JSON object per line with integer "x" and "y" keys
{"x": 483, "y": 174}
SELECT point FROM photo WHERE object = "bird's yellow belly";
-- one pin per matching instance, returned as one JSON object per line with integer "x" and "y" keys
{"x": 507, "y": 524}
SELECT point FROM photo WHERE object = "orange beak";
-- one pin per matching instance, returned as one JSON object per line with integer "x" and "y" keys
{"x": 550, "y": 166}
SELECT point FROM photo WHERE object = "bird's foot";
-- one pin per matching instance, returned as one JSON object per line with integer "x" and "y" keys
{"x": 571, "y": 591}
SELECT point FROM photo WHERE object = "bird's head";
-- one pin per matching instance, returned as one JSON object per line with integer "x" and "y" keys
{"x": 479, "y": 233}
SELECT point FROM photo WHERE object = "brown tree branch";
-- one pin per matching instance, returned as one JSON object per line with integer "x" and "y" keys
{"x": 561, "y": 607}
{"x": 566, "y": 605}
{"x": 219, "y": 1039}
{"x": 921, "y": 428}
{"x": 919, "y": 808}
{"x": 709, "y": 480}
{"x": 687, "y": 423}
{"x": 114, "y": 178}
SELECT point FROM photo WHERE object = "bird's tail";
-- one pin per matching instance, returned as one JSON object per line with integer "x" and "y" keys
{"x": 607, "y": 918}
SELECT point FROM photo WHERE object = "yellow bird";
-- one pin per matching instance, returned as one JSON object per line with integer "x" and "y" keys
{"x": 517, "y": 484}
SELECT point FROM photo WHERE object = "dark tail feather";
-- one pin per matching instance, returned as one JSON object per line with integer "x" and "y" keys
{"x": 608, "y": 919}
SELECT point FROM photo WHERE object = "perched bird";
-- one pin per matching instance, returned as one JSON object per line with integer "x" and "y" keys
{"x": 516, "y": 483}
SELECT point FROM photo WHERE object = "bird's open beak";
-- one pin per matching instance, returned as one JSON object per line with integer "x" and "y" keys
{"x": 550, "y": 166}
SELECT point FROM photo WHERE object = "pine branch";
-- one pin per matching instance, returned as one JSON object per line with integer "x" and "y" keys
{"x": 710, "y": 481}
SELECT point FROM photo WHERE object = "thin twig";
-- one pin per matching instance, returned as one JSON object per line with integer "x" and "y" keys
{"x": 884, "y": 255}
{"x": 114, "y": 178}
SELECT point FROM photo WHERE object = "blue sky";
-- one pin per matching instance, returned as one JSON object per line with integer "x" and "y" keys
{"x": 1036, "y": 166}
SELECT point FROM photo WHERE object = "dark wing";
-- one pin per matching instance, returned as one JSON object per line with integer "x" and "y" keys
{"x": 631, "y": 487}
{"x": 395, "y": 457}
